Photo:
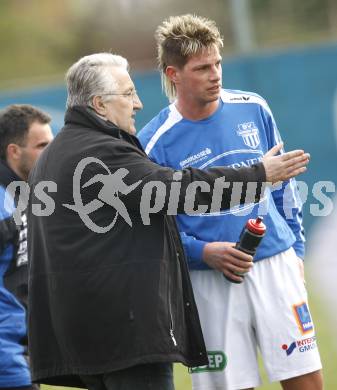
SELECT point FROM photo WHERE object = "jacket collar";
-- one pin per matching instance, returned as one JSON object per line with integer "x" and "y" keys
{"x": 86, "y": 117}
{"x": 7, "y": 175}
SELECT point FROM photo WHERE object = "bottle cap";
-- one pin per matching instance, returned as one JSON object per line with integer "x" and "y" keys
{"x": 256, "y": 226}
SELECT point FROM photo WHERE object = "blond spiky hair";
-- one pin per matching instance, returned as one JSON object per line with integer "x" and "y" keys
{"x": 180, "y": 37}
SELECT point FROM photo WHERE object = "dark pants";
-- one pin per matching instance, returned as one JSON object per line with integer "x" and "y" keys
{"x": 155, "y": 376}
{"x": 32, "y": 387}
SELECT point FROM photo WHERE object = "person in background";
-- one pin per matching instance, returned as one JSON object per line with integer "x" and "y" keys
{"x": 204, "y": 126}
{"x": 24, "y": 133}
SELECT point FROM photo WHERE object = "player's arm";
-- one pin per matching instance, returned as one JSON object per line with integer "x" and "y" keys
{"x": 195, "y": 187}
{"x": 286, "y": 198}
{"x": 289, "y": 205}
{"x": 221, "y": 256}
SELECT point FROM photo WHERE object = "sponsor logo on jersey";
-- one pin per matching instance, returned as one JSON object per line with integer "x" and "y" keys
{"x": 289, "y": 349}
{"x": 217, "y": 361}
{"x": 195, "y": 157}
{"x": 240, "y": 98}
{"x": 248, "y": 163}
{"x": 303, "y": 317}
{"x": 300, "y": 345}
{"x": 249, "y": 133}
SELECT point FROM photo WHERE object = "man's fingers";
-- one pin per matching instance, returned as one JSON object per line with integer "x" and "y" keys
{"x": 274, "y": 150}
{"x": 241, "y": 270}
{"x": 292, "y": 154}
{"x": 295, "y": 166}
{"x": 239, "y": 256}
{"x": 232, "y": 276}
{"x": 235, "y": 265}
{"x": 286, "y": 165}
{"x": 295, "y": 158}
{"x": 232, "y": 270}
{"x": 292, "y": 165}
{"x": 295, "y": 172}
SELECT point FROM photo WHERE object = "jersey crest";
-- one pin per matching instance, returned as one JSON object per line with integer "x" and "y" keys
{"x": 249, "y": 133}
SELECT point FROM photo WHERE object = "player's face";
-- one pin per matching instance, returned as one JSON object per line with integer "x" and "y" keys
{"x": 121, "y": 108}
{"x": 200, "y": 78}
{"x": 38, "y": 137}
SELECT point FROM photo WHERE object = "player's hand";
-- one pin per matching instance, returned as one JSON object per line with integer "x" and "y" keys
{"x": 284, "y": 166}
{"x": 223, "y": 257}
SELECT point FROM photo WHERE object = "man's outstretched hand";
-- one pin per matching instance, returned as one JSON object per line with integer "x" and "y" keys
{"x": 284, "y": 166}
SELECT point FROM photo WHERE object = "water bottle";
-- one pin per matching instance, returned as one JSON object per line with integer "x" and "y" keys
{"x": 250, "y": 238}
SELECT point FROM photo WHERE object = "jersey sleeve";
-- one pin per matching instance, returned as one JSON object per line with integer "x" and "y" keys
{"x": 193, "y": 249}
{"x": 286, "y": 198}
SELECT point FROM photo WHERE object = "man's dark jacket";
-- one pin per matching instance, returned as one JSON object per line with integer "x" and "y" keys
{"x": 104, "y": 302}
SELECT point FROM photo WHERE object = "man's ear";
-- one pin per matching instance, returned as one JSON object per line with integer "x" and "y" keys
{"x": 172, "y": 73}
{"x": 98, "y": 105}
{"x": 13, "y": 152}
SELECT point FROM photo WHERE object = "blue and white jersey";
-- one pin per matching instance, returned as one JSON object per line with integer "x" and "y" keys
{"x": 14, "y": 370}
{"x": 238, "y": 134}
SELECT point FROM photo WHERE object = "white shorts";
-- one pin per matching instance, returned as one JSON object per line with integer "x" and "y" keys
{"x": 269, "y": 310}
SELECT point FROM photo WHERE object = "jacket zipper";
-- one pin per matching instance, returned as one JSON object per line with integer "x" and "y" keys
{"x": 173, "y": 338}
{"x": 171, "y": 315}
{"x": 172, "y": 324}
{"x": 169, "y": 295}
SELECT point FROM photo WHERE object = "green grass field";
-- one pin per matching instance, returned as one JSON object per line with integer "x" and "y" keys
{"x": 326, "y": 340}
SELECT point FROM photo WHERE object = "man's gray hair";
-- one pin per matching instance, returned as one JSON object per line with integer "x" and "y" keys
{"x": 91, "y": 76}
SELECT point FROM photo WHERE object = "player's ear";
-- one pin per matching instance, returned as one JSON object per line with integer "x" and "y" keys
{"x": 172, "y": 73}
{"x": 99, "y": 105}
{"x": 13, "y": 152}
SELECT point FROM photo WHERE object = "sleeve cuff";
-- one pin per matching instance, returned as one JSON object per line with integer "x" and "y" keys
{"x": 195, "y": 251}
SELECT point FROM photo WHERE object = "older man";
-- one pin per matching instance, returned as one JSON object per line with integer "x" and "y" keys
{"x": 24, "y": 133}
{"x": 111, "y": 304}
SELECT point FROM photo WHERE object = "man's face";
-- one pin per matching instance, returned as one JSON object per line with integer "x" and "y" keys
{"x": 122, "y": 106}
{"x": 200, "y": 78}
{"x": 38, "y": 137}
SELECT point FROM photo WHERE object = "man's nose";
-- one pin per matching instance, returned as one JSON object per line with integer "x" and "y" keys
{"x": 216, "y": 73}
{"x": 137, "y": 104}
